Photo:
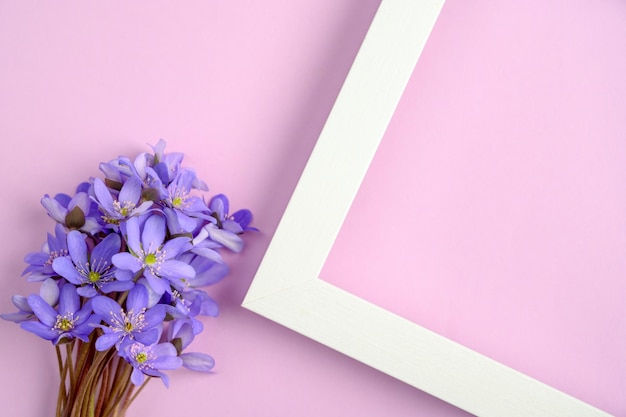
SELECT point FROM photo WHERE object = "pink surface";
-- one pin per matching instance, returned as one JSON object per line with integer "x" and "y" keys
{"x": 243, "y": 88}
{"x": 494, "y": 212}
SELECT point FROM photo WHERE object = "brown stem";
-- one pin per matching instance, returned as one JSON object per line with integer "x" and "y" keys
{"x": 116, "y": 373}
{"x": 84, "y": 352}
{"x": 108, "y": 400}
{"x": 100, "y": 360}
{"x": 122, "y": 298}
{"x": 93, "y": 383}
{"x": 69, "y": 347}
{"x": 103, "y": 390}
{"x": 122, "y": 379}
{"x": 91, "y": 398}
{"x": 115, "y": 366}
{"x": 62, "y": 396}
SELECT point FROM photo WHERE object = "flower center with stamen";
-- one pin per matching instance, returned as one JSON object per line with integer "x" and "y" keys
{"x": 94, "y": 276}
{"x": 153, "y": 260}
{"x": 96, "y": 273}
{"x": 124, "y": 208}
{"x": 150, "y": 259}
{"x": 128, "y": 322}
{"x": 110, "y": 220}
{"x": 142, "y": 356}
{"x": 65, "y": 323}
{"x": 178, "y": 198}
{"x": 56, "y": 254}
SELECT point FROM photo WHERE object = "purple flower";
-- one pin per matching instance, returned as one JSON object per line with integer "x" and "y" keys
{"x": 243, "y": 218}
{"x": 166, "y": 165}
{"x": 135, "y": 322}
{"x": 224, "y": 237}
{"x": 127, "y": 204}
{"x": 153, "y": 256}
{"x": 74, "y": 213}
{"x": 227, "y": 228}
{"x": 238, "y": 222}
{"x": 181, "y": 334}
{"x": 188, "y": 209}
{"x": 119, "y": 170}
{"x": 129, "y": 255}
{"x": 207, "y": 272}
{"x": 196, "y": 361}
{"x": 49, "y": 291}
{"x": 156, "y": 170}
{"x": 40, "y": 263}
{"x": 192, "y": 303}
{"x": 93, "y": 271}
{"x": 201, "y": 303}
{"x": 68, "y": 322}
{"x": 114, "y": 171}
{"x": 151, "y": 360}
{"x": 179, "y": 193}
{"x": 205, "y": 247}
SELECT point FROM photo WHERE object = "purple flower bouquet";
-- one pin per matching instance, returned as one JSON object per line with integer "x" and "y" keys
{"x": 121, "y": 279}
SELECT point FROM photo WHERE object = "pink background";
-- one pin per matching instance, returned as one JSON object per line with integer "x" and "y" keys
{"x": 495, "y": 206}
{"x": 513, "y": 221}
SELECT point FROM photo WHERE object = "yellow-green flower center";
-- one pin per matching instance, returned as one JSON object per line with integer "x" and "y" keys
{"x": 65, "y": 323}
{"x": 124, "y": 208}
{"x": 150, "y": 259}
{"x": 94, "y": 276}
{"x": 177, "y": 201}
{"x": 141, "y": 357}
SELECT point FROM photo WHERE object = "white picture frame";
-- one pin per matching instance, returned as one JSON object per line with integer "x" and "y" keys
{"x": 287, "y": 290}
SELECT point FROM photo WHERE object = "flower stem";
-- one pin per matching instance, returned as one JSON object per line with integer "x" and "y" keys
{"x": 69, "y": 347}
{"x": 84, "y": 358}
{"x": 104, "y": 389}
{"x": 119, "y": 387}
{"x": 62, "y": 396}
{"x": 91, "y": 378}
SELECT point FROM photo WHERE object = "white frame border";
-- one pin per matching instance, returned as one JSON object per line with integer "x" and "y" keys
{"x": 287, "y": 290}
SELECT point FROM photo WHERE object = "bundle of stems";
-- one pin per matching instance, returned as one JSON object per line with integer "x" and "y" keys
{"x": 93, "y": 383}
